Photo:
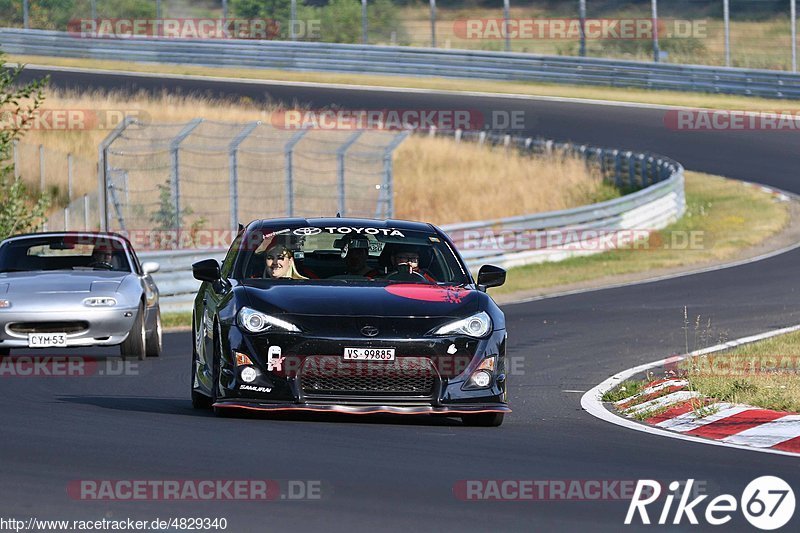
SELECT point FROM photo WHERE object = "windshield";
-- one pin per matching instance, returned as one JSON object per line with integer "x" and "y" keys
{"x": 351, "y": 253}
{"x": 63, "y": 252}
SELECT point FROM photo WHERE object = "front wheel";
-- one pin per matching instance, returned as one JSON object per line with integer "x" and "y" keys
{"x": 199, "y": 400}
{"x": 483, "y": 419}
{"x": 217, "y": 374}
{"x": 154, "y": 341}
{"x": 134, "y": 345}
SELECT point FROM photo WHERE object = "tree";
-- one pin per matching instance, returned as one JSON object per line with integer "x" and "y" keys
{"x": 20, "y": 209}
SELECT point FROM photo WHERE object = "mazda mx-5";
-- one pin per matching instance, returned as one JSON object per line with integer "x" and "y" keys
{"x": 67, "y": 289}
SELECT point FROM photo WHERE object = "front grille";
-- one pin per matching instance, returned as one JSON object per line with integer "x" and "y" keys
{"x": 331, "y": 375}
{"x": 73, "y": 326}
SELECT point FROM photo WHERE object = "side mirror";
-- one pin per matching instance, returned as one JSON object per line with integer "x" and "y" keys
{"x": 491, "y": 276}
{"x": 148, "y": 267}
{"x": 206, "y": 270}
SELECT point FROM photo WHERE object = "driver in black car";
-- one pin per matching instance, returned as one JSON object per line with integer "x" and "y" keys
{"x": 406, "y": 261}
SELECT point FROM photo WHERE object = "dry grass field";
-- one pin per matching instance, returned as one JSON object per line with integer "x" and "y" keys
{"x": 435, "y": 179}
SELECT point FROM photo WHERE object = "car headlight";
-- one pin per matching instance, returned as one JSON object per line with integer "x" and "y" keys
{"x": 478, "y": 325}
{"x": 257, "y": 322}
{"x": 101, "y": 301}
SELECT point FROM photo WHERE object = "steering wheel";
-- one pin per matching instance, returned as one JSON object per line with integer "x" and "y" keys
{"x": 101, "y": 264}
{"x": 407, "y": 276}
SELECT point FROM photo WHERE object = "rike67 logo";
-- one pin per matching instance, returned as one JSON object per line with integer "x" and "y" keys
{"x": 767, "y": 503}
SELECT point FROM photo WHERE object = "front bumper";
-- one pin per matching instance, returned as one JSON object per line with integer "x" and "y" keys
{"x": 428, "y": 377}
{"x": 103, "y": 327}
{"x": 363, "y": 409}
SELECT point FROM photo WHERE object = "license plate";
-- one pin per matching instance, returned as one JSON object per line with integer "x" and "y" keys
{"x": 46, "y": 340}
{"x": 369, "y": 354}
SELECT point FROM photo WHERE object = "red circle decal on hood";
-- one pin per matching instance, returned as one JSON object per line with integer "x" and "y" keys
{"x": 428, "y": 293}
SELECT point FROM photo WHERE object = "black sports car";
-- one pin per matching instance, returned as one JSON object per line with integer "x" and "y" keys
{"x": 348, "y": 315}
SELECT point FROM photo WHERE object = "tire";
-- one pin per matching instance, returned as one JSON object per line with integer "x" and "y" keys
{"x": 217, "y": 374}
{"x": 199, "y": 400}
{"x": 154, "y": 342}
{"x": 134, "y": 345}
{"x": 483, "y": 420}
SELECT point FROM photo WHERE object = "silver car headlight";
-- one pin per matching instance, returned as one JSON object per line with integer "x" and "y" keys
{"x": 257, "y": 322}
{"x": 478, "y": 325}
{"x": 100, "y": 301}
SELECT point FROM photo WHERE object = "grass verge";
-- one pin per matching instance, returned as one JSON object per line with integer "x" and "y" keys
{"x": 764, "y": 374}
{"x": 676, "y": 98}
{"x": 722, "y": 216}
{"x": 176, "y": 319}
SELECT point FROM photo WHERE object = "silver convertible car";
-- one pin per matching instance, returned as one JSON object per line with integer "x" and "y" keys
{"x": 66, "y": 289}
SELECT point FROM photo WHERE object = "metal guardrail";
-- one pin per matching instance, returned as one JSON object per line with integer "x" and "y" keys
{"x": 350, "y": 58}
{"x": 659, "y": 201}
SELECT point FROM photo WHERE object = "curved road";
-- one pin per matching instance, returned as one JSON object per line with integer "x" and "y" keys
{"x": 389, "y": 474}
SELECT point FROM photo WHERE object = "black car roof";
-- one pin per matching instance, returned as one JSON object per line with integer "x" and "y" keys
{"x": 339, "y": 222}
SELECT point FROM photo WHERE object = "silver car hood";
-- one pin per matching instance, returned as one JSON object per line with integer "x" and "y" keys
{"x": 60, "y": 282}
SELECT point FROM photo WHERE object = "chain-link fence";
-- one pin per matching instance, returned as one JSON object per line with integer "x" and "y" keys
{"x": 751, "y": 34}
{"x": 60, "y": 175}
{"x": 202, "y": 174}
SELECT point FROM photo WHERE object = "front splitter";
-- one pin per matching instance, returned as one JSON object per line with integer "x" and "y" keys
{"x": 365, "y": 409}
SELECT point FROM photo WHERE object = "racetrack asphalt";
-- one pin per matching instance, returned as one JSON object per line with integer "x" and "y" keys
{"x": 399, "y": 474}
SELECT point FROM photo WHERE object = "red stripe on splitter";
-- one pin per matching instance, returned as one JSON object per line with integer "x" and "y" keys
{"x": 791, "y": 445}
{"x": 672, "y": 412}
{"x": 737, "y": 423}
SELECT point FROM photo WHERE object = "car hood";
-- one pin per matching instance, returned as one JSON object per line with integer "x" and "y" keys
{"x": 27, "y": 283}
{"x": 392, "y": 300}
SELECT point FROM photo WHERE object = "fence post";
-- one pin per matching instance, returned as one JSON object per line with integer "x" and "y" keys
{"x": 86, "y": 212}
{"x": 793, "y": 14}
{"x": 292, "y": 24}
{"x": 726, "y": 15}
{"x": 582, "y": 19}
{"x": 288, "y": 149}
{"x": 102, "y": 171}
{"x": 364, "y": 38}
{"x": 25, "y": 15}
{"x": 656, "y": 50}
{"x": 233, "y": 164}
{"x": 174, "y": 147}
{"x": 506, "y": 9}
{"x": 69, "y": 192}
{"x": 340, "y": 154}
{"x": 387, "y": 187}
{"x": 433, "y": 23}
